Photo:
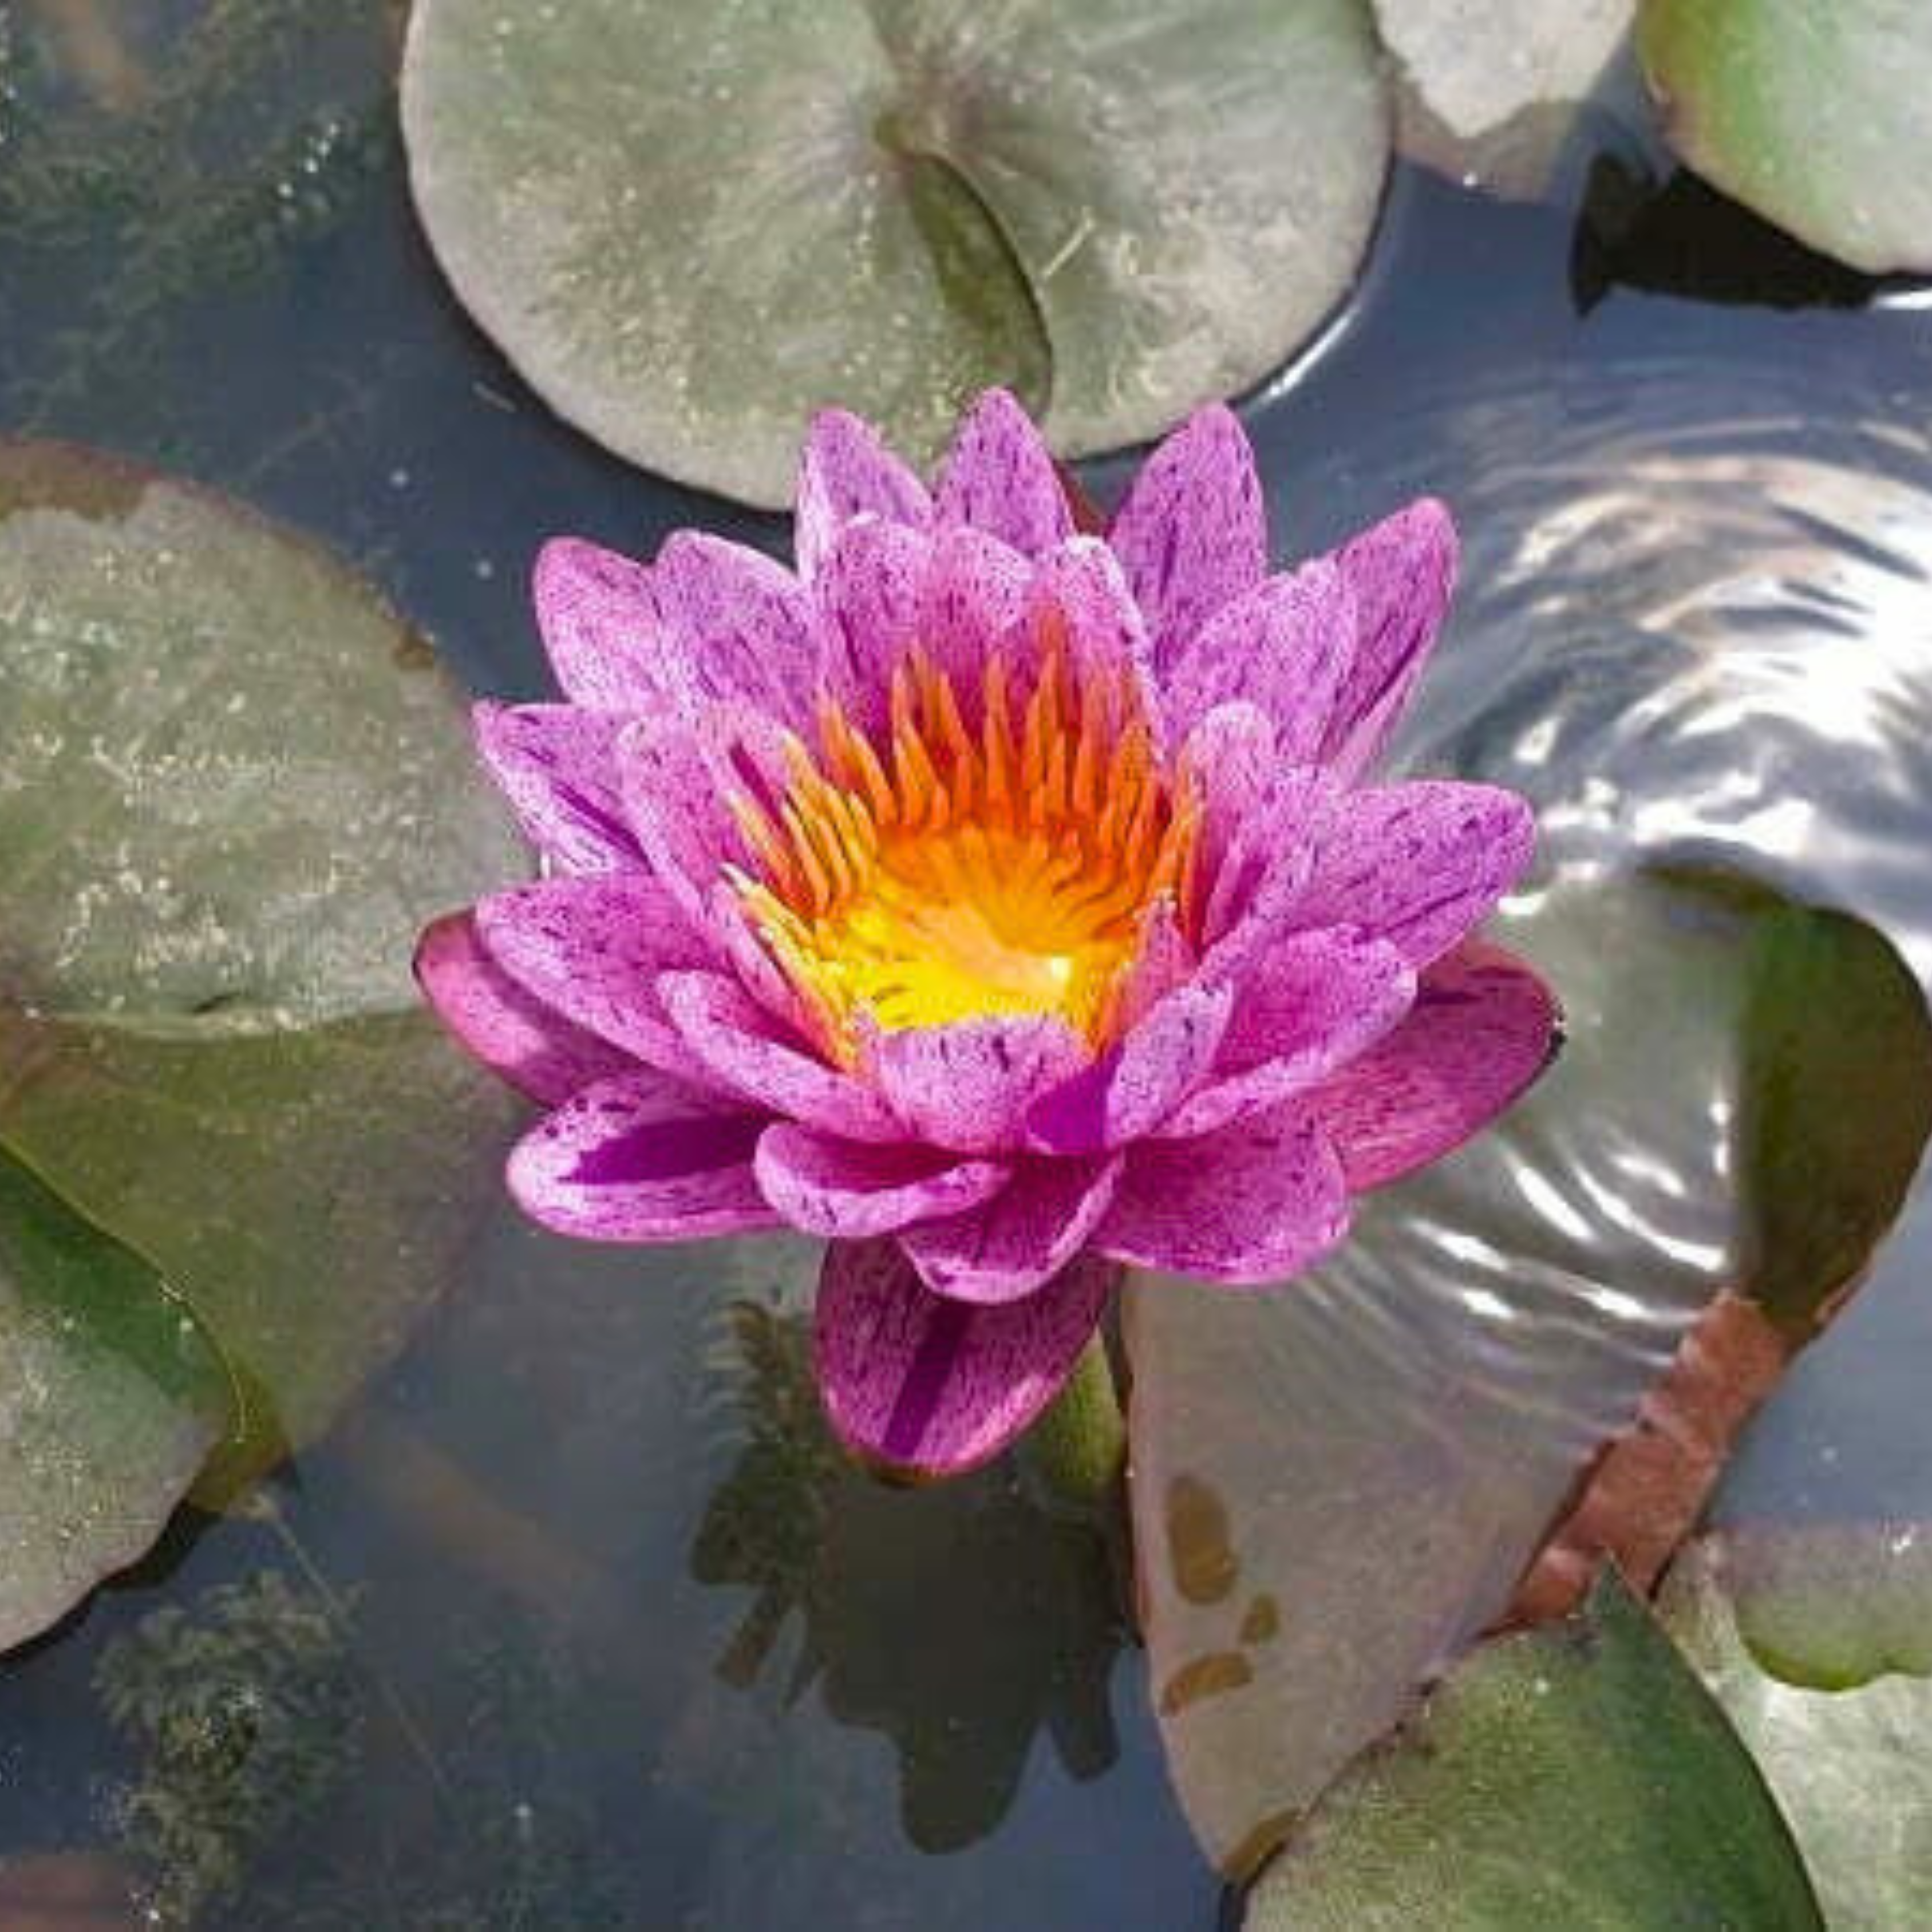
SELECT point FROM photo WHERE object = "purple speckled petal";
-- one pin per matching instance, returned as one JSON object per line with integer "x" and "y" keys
{"x": 516, "y": 1037}
{"x": 557, "y": 766}
{"x": 1285, "y": 647}
{"x": 970, "y": 598}
{"x": 1134, "y": 1086}
{"x": 1418, "y": 865}
{"x": 1230, "y": 761}
{"x": 737, "y": 628}
{"x": 599, "y": 624}
{"x": 846, "y": 472}
{"x": 1000, "y": 477}
{"x": 591, "y": 948}
{"x": 1261, "y": 842}
{"x": 745, "y": 1048}
{"x": 846, "y": 1190}
{"x": 1192, "y": 534}
{"x": 1019, "y": 1239}
{"x": 1403, "y": 574}
{"x": 967, "y": 1086}
{"x": 1251, "y": 1204}
{"x": 937, "y": 1387}
{"x": 867, "y": 592}
{"x": 1082, "y": 586}
{"x": 1162, "y": 960}
{"x": 638, "y": 1159}
{"x": 1482, "y": 1028}
{"x": 1307, "y": 1005}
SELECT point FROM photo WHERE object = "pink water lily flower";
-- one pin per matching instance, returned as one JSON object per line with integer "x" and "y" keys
{"x": 1000, "y": 902}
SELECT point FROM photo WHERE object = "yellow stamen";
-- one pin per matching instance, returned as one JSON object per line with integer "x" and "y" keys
{"x": 1003, "y": 864}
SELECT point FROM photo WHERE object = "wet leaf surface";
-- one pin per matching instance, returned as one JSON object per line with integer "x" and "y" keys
{"x": 1578, "y": 1776}
{"x": 690, "y": 228}
{"x": 236, "y": 785}
{"x": 1811, "y": 112}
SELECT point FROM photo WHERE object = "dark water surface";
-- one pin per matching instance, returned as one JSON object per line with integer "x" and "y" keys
{"x": 621, "y": 1642}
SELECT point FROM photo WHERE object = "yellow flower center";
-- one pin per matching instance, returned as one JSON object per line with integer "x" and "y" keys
{"x": 1005, "y": 867}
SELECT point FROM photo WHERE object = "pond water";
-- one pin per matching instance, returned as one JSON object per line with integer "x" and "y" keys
{"x": 608, "y": 1636}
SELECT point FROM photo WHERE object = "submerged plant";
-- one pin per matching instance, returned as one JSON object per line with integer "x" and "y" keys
{"x": 1001, "y": 902}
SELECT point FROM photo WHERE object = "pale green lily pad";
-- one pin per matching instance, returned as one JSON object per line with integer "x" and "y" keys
{"x": 1813, "y": 113}
{"x": 1577, "y": 1776}
{"x": 109, "y": 1400}
{"x": 691, "y": 227}
{"x": 1770, "y": 1614}
{"x": 236, "y": 785}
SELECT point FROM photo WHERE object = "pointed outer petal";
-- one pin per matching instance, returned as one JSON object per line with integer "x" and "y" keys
{"x": 1000, "y": 478}
{"x": 1419, "y": 864}
{"x": 557, "y": 766}
{"x": 1021, "y": 1238}
{"x": 592, "y": 949}
{"x": 639, "y": 1158}
{"x": 867, "y": 594}
{"x": 743, "y": 1046}
{"x": 599, "y": 624}
{"x": 737, "y": 629}
{"x": 1286, "y": 647}
{"x": 516, "y": 1037}
{"x": 1230, "y": 760}
{"x": 1309, "y": 1004}
{"x": 936, "y": 1386}
{"x": 1192, "y": 533}
{"x": 967, "y": 1086}
{"x": 847, "y": 472}
{"x": 1482, "y": 1028}
{"x": 1083, "y": 581}
{"x": 970, "y": 599}
{"x": 846, "y": 1190}
{"x": 1132, "y": 1088}
{"x": 1403, "y": 574}
{"x": 1250, "y": 1205}
{"x": 1264, "y": 873}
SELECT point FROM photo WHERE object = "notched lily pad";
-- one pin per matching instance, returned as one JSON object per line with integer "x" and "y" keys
{"x": 691, "y": 227}
{"x": 1810, "y": 112}
{"x": 1577, "y": 1776}
{"x": 233, "y": 786}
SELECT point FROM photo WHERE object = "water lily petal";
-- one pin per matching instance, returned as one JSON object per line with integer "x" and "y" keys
{"x": 847, "y": 472}
{"x": 967, "y": 1086}
{"x": 1419, "y": 864}
{"x": 1308, "y": 1004}
{"x": 1261, "y": 875}
{"x": 599, "y": 624}
{"x": 591, "y": 948}
{"x": 1132, "y": 1088}
{"x": 1402, "y": 572}
{"x": 735, "y": 627}
{"x": 1000, "y": 477}
{"x": 847, "y": 1190}
{"x": 1251, "y": 1204}
{"x": 1081, "y": 587}
{"x": 1192, "y": 533}
{"x": 1484, "y": 1026}
{"x": 938, "y": 1387}
{"x": 867, "y": 591}
{"x": 1285, "y": 647}
{"x": 557, "y": 766}
{"x": 973, "y": 590}
{"x": 742, "y": 1045}
{"x": 1021, "y": 1237}
{"x": 640, "y": 1159}
{"x": 515, "y": 1035}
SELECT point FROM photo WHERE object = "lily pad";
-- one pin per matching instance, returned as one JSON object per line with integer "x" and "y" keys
{"x": 1577, "y": 1776}
{"x": 109, "y": 1400}
{"x": 1810, "y": 112}
{"x": 1813, "y": 1638}
{"x": 691, "y": 227}
{"x": 235, "y": 785}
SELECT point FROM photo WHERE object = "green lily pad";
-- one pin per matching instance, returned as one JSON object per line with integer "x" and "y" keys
{"x": 1813, "y": 1638}
{"x": 691, "y": 227}
{"x": 1810, "y": 112}
{"x": 1578, "y": 1776}
{"x": 109, "y": 1401}
{"x": 236, "y": 785}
